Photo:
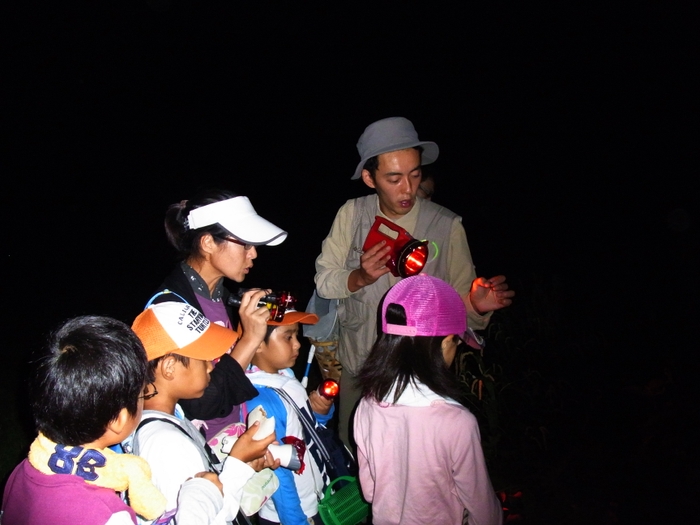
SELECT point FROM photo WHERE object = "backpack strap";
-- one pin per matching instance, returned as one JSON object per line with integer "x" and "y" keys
{"x": 306, "y": 421}
{"x": 210, "y": 456}
{"x": 241, "y": 518}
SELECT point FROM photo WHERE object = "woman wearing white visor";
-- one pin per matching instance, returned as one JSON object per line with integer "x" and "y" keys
{"x": 216, "y": 234}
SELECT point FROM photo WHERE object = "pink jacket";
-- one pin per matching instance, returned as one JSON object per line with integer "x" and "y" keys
{"x": 421, "y": 461}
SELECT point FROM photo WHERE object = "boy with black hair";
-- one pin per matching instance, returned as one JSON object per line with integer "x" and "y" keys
{"x": 296, "y": 500}
{"x": 86, "y": 397}
{"x": 181, "y": 344}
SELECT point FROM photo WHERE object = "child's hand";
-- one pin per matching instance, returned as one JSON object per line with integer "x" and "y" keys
{"x": 319, "y": 404}
{"x": 214, "y": 478}
{"x": 271, "y": 462}
{"x": 266, "y": 461}
{"x": 247, "y": 449}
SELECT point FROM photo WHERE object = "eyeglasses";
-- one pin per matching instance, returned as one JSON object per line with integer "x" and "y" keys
{"x": 151, "y": 395}
{"x": 246, "y": 246}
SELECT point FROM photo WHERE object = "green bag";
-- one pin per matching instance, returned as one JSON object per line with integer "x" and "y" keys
{"x": 345, "y": 506}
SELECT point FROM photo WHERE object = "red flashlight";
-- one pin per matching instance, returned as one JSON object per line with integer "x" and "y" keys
{"x": 328, "y": 389}
{"x": 407, "y": 256}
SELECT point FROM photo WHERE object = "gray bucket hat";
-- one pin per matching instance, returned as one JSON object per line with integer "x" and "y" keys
{"x": 392, "y": 134}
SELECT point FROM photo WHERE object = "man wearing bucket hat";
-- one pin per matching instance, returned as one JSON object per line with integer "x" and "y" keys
{"x": 391, "y": 156}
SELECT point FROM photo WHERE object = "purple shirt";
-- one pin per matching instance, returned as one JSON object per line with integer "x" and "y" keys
{"x": 215, "y": 311}
{"x": 31, "y": 498}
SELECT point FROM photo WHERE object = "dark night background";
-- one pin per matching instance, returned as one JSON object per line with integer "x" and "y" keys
{"x": 568, "y": 142}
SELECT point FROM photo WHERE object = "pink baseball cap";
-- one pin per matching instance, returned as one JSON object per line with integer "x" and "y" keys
{"x": 432, "y": 307}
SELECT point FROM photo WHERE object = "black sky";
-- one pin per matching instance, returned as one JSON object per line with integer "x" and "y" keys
{"x": 568, "y": 138}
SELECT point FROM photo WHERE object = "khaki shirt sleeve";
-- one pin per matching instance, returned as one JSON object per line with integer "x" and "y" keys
{"x": 461, "y": 272}
{"x": 331, "y": 276}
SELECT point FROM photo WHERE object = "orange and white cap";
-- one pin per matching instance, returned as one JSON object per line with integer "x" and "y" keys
{"x": 292, "y": 316}
{"x": 179, "y": 328}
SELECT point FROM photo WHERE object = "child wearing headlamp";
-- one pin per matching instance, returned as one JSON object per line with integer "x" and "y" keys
{"x": 296, "y": 500}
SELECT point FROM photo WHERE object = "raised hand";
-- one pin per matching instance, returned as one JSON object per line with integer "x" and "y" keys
{"x": 254, "y": 325}
{"x": 487, "y": 295}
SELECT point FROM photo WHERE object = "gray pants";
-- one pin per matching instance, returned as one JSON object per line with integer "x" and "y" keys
{"x": 348, "y": 398}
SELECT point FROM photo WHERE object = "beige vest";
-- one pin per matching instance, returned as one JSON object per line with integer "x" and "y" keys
{"x": 357, "y": 314}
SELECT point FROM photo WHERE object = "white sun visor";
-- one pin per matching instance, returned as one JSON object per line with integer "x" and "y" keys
{"x": 238, "y": 216}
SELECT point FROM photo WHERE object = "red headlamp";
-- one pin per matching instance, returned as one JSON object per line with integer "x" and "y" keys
{"x": 277, "y": 302}
{"x": 407, "y": 256}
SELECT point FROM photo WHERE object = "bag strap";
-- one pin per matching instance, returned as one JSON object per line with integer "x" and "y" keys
{"x": 210, "y": 456}
{"x": 308, "y": 424}
{"x": 241, "y": 518}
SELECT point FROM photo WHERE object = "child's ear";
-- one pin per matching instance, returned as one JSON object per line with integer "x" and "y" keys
{"x": 258, "y": 355}
{"x": 167, "y": 367}
{"x": 118, "y": 424}
{"x": 449, "y": 349}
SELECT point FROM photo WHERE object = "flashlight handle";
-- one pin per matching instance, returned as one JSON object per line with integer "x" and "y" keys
{"x": 309, "y": 360}
{"x": 235, "y": 300}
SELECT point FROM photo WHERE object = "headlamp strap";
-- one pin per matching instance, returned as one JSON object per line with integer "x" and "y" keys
{"x": 150, "y": 301}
